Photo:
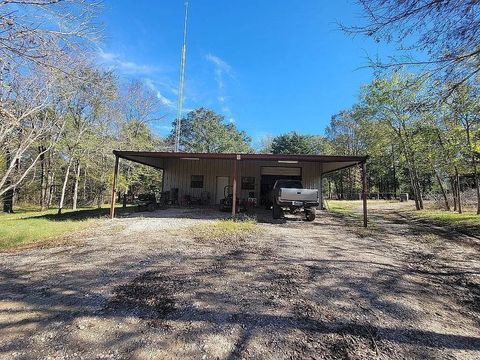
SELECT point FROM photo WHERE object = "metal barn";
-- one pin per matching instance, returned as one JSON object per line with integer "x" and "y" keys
{"x": 250, "y": 176}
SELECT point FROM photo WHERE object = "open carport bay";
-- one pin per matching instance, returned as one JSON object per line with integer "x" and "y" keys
{"x": 149, "y": 287}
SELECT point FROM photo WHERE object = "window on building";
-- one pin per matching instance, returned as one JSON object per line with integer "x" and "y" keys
{"x": 196, "y": 182}
{"x": 248, "y": 183}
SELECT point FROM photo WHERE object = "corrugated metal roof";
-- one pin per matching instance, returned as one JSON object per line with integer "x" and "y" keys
{"x": 131, "y": 155}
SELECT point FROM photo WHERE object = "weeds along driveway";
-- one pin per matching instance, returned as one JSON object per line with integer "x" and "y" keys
{"x": 154, "y": 288}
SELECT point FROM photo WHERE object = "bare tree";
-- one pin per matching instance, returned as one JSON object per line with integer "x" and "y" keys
{"x": 86, "y": 103}
{"x": 139, "y": 105}
{"x": 41, "y": 32}
{"x": 138, "y": 108}
{"x": 447, "y": 31}
{"x": 27, "y": 117}
{"x": 37, "y": 38}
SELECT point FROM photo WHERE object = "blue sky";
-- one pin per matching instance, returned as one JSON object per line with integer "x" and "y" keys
{"x": 271, "y": 66}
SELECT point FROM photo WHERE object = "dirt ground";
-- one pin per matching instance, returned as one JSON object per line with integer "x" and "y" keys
{"x": 145, "y": 287}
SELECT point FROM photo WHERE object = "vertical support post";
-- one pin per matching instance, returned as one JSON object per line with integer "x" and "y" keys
{"x": 320, "y": 190}
{"x": 364, "y": 193}
{"x": 114, "y": 189}
{"x": 234, "y": 187}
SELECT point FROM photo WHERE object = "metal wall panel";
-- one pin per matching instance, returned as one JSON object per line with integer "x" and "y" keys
{"x": 281, "y": 170}
{"x": 178, "y": 172}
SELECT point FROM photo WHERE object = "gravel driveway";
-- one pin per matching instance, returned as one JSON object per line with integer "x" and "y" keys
{"x": 148, "y": 288}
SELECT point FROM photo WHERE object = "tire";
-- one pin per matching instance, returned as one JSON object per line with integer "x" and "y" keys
{"x": 276, "y": 211}
{"x": 310, "y": 214}
{"x": 151, "y": 207}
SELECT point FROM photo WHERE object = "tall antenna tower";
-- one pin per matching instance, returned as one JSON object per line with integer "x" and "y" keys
{"x": 178, "y": 123}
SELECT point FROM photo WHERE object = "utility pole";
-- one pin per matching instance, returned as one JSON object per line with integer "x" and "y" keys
{"x": 182, "y": 81}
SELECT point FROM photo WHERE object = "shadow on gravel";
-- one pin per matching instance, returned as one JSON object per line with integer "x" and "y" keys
{"x": 84, "y": 214}
{"x": 466, "y": 292}
{"x": 274, "y": 285}
{"x": 401, "y": 223}
{"x": 449, "y": 232}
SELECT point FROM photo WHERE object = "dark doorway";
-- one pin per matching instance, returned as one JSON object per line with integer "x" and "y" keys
{"x": 266, "y": 186}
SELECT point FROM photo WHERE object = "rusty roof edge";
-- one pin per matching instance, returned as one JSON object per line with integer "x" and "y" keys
{"x": 243, "y": 156}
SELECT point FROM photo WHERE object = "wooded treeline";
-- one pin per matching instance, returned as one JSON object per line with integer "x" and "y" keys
{"x": 418, "y": 143}
{"x": 61, "y": 115}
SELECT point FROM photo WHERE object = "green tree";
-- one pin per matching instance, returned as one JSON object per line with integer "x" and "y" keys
{"x": 138, "y": 107}
{"x": 293, "y": 143}
{"x": 458, "y": 125}
{"x": 86, "y": 101}
{"x": 466, "y": 110}
{"x": 397, "y": 102}
{"x": 343, "y": 136}
{"x": 203, "y": 130}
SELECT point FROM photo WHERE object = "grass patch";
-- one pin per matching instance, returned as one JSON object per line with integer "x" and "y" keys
{"x": 470, "y": 218}
{"x": 468, "y": 222}
{"x": 225, "y": 230}
{"x": 30, "y": 225}
{"x": 351, "y": 211}
{"x": 344, "y": 207}
{"x": 351, "y": 206}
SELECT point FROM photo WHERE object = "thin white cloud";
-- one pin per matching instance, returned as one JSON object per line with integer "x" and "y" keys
{"x": 222, "y": 65}
{"x": 163, "y": 99}
{"x": 222, "y": 68}
{"x": 115, "y": 61}
{"x": 107, "y": 56}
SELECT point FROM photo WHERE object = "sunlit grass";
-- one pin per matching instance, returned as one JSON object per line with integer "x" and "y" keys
{"x": 468, "y": 222}
{"x": 352, "y": 212}
{"x": 343, "y": 207}
{"x": 350, "y": 206}
{"x": 30, "y": 225}
{"x": 449, "y": 216}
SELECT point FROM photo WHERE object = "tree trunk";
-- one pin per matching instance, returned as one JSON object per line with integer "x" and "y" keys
{"x": 419, "y": 191}
{"x": 478, "y": 192}
{"x": 414, "y": 189}
{"x": 454, "y": 192}
{"x": 8, "y": 195}
{"x": 51, "y": 188}
{"x": 459, "y": 190}
{"x": 8, "y": 200}
{"x": 64, "y": 187}
{"x": 412, "y": 170}
{"x": 474, "y": 164}
{"x": 48, "y": 180}
{"x": 43, "y": 188}
{"x": 444, "y": 193}
{"x": 411, "y": 175}
{"x": 477, "y": 186}
{"x": 394, "y": 174}
{"x": 75, "y": 188}
{"x": 101, "y": 193}
{"x": 84, "y": 195}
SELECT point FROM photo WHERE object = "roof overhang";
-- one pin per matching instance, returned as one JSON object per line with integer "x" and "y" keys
{"x": 154, "y": 159}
